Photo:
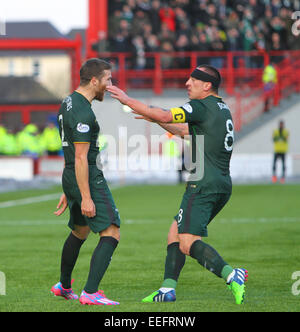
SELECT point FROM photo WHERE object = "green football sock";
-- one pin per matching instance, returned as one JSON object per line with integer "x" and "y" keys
{"x": 175, "y": 261}
{"x": 226, "y": 271}
{"x": 208, "y": 257}
{"x": 100, "y": 262}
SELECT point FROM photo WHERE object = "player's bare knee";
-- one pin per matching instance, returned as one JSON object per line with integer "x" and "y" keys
{"x": 117, "y": 235}
{"x": 184, "y": 248}
{"x": 81, "y": 233}
{"x": 173, "y": 233}
{"x": 112, "y": 231}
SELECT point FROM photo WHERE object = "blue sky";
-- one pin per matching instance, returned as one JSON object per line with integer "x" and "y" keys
{"x": 63, "y": 14}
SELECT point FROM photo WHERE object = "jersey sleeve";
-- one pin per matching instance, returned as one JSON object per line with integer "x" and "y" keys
{"x": 81, "y": 126}
{"x": 193, "y": 111}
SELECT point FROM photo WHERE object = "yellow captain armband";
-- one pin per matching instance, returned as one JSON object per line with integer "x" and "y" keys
{"x": 178, "y": 115}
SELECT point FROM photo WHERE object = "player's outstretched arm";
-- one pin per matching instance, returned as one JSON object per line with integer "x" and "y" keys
{"x": 156, "y": 114}
{"x": 179, "y": 129}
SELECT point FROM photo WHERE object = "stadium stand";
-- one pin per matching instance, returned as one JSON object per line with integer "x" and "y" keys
{"x": 155, "y": 44}
{"x": 200, "y": 25}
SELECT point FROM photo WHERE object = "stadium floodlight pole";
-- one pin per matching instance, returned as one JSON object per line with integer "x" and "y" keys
{"x": 98, "y": 23}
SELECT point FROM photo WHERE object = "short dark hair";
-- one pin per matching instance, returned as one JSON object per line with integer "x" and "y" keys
{"x": 213, "y": 72}
{"x": 93, "y": 68}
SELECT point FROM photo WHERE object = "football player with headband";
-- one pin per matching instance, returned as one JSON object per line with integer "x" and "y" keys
{"x": 208, "y": 189}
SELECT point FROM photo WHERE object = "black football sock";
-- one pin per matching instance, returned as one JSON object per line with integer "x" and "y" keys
{"x": 100, "y": 262}
{"x": 175, "y": 261}
{"x": 208, "y": 257}
{"x": 68, "y": 259}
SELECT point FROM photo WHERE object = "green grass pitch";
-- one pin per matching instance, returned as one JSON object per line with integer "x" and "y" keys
{"x": 259, "y": 229}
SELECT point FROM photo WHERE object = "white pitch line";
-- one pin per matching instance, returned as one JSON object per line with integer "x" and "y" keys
{"x": 25, "y": 223}
{"x": 29, "y": 200}
{"x": 259, "y": 220}
{"x": 37, "y": 199}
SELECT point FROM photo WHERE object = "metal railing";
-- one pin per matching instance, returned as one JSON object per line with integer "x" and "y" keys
{"x": 241, "y": 78}
{"x": 170, "y": 70}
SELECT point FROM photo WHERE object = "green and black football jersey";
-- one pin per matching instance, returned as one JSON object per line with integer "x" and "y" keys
{"x": 211, "y": 119}
{"x": 78, "y": 124}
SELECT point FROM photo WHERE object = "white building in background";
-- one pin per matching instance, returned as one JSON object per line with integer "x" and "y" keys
{"x": 52, "y": 69}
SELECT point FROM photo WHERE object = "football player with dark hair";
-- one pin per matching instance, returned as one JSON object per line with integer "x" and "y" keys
{"x": 206, "y": 115}
{"x": 86, "y": 192}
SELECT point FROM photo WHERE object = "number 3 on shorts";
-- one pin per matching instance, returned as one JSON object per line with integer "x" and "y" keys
{"x": 229, "y": 138}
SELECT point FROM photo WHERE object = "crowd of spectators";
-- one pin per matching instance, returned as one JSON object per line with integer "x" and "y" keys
{"x": 140, "y": 26}
{"x": 30, "y": 141}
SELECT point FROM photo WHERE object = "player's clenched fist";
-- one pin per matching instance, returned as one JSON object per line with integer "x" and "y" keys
{"x": 88, "y": 208}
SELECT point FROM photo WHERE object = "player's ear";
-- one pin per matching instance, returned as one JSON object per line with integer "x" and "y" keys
{"x": 207, "y": 86}
{"x": 94, "y": 81}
